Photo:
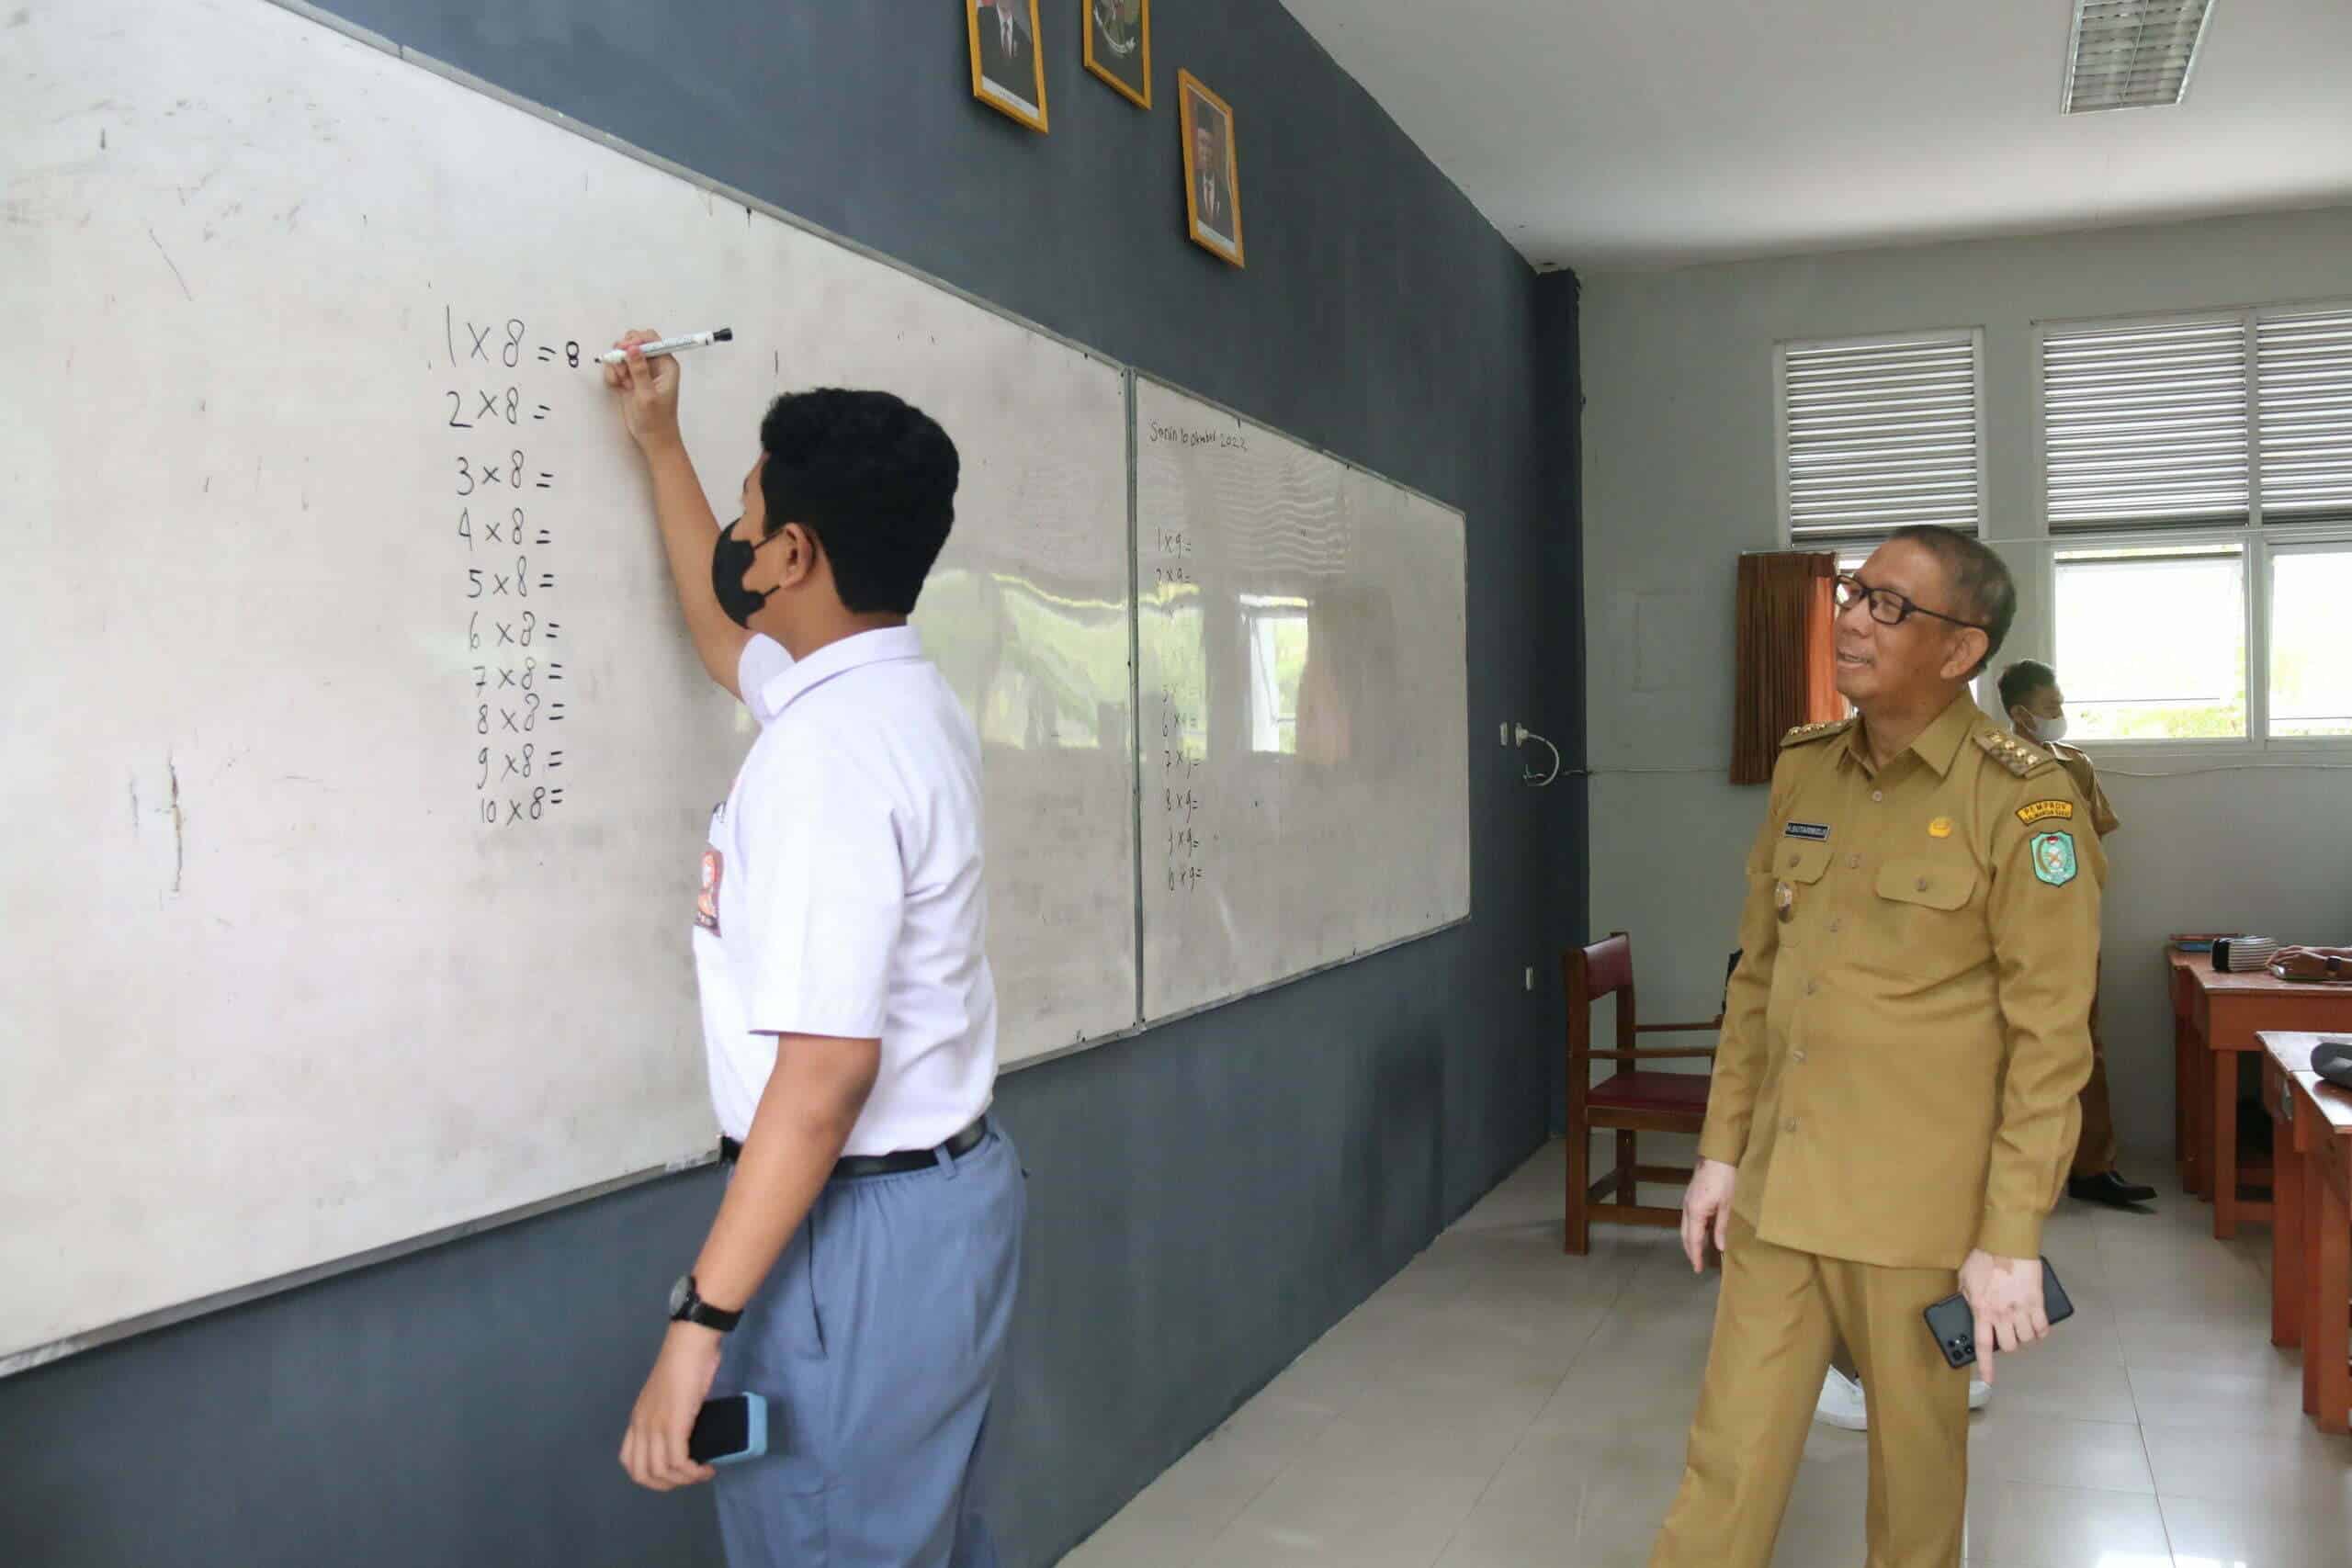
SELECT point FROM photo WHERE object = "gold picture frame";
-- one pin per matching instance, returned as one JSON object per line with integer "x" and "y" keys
{"x": 1008, "y": 67}
{"x": 1127, "y": 68}
{"x": 1211, "y": 170}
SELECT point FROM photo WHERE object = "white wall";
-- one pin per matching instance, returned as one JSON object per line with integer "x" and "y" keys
{"x": 1679, "y": 477}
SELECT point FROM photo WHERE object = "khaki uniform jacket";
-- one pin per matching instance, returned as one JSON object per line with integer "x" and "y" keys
{"x": 1910, "y": 1020}
{"x": 2077, "y": 764}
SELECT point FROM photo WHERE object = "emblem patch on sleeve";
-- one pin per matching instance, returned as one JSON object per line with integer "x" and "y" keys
{"x": 714, "y": 866}
{"x": 2054, "y": 857}
{"x": 2046, "y": 811}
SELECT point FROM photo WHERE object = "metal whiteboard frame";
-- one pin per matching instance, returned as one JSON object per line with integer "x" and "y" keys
{"x": 72, "y": 1345}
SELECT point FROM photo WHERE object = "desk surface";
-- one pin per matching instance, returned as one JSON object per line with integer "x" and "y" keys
{"x": 2292, "y": 1050}
{"x": 2198, "y": 967}
{"x": 2334, "y": 1104}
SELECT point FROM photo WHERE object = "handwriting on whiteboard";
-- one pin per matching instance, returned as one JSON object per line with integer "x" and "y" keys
{"x": 1178, "y": 436}
{"x": 517, "y": 685}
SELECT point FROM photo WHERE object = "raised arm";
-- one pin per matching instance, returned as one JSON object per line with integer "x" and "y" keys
{"x": 649, "y": 390}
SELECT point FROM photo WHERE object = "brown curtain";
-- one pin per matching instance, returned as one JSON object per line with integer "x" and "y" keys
{"x": 1787, "y": 676}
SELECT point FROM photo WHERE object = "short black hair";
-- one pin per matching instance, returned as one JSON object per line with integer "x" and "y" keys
{"x": 873, "y": 479}
{"x": 1982, "y": 579}
{"x": 2023, "y": 679}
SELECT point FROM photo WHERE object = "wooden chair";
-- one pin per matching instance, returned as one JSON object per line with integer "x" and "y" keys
{"x": 1630, "y": 1101}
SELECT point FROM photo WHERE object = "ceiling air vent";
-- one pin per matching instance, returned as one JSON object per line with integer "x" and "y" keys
{"x": 2132, "y": 54}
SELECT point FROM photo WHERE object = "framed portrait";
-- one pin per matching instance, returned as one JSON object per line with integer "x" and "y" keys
{"x": 1211, "y": 170}
{"x": 1008, "y": 68}
{"x": 1118, "y": 46}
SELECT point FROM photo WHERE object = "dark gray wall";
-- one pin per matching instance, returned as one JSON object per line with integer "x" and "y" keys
{"x": 1205, "y": 1200}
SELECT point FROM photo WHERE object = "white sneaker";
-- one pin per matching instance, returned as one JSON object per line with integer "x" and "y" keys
{"x": 1841, "y": 1403}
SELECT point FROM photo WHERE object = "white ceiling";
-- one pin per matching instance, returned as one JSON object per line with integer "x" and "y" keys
{"x": 1616, "y": 134}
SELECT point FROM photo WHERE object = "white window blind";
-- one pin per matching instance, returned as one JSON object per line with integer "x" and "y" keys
{"x": 2144, "y": 425}
{"x": 1876, "y": 436}
{"x": 2303, "y": 375}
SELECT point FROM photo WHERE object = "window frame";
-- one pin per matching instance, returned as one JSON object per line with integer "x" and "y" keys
{"x": 2261, "y": 541}
{"x": 2286, "y": 540}
{"x": 2257, "y": 702}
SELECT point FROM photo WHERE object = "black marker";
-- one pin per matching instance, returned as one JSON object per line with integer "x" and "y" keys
{"x": 669, "y": 346}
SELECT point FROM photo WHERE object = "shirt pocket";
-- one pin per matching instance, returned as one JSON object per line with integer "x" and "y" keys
{"x": 1928, "y": 884}
{"x": 1800, "y": 863}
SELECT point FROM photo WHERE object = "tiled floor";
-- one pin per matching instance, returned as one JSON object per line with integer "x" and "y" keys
{"x": 1501, "y": 1405}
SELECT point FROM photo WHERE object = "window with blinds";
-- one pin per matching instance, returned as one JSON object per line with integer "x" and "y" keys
{"x": 2304, "y": 404}
{"x": 2144, "y": 425}
{"x": 2204, "y": 421}
{"x": 1879, "y": 434}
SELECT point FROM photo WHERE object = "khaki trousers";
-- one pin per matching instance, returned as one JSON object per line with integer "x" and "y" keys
{"x": 1778, "y": 1313}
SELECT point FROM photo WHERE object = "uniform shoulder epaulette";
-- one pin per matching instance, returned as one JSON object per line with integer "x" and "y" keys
{"x": 2012, "y": 753}
{"x": 1805, "y": 733}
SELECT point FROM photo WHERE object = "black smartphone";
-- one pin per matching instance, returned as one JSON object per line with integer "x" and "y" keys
{"x": 729, "y": 1430}
{"x": 1955, "y": 1325}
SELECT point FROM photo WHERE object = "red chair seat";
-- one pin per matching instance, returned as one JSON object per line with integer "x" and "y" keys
{"x": 1651, "y": 1092}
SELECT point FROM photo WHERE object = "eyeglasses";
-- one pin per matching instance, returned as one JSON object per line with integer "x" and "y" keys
{"x": 1889, "y": 608}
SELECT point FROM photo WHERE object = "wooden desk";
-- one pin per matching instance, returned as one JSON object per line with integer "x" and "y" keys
{"x": 2327, "y": 1252}
{"x": 2218, "y": 1018}
{"x": 2283, "y": 1056}
{"x": 2321, "y": 1117}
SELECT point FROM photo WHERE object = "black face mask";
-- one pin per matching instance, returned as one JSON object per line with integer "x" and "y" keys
{"x": 729, "y": 559}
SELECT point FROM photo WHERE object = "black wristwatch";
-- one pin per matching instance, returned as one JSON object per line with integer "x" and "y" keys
{"x": 686, "y": 1306}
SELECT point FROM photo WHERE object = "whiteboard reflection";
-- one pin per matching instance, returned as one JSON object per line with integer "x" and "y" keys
{"x": 1277, "y": 633}
{"x": 1037, "y": 671}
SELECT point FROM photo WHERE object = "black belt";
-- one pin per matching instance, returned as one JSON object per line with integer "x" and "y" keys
{"x": 849, "y": 1166}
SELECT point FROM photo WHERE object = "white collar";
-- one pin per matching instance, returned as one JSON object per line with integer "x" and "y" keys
{"x": 888, "y": 646}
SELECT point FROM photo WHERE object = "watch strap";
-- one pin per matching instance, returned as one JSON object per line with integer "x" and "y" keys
{"x": 701, "y": 1313}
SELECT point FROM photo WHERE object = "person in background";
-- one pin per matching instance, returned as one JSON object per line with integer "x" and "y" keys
{"x": 860, "y": 1269}
{"x": 1894, "y": 1100}
{"x": 2037, "y": 709}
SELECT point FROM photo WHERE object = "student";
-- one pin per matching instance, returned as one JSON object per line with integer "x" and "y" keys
{"x": 1893, "y": 1099}
{"x": 860, "y": 1272}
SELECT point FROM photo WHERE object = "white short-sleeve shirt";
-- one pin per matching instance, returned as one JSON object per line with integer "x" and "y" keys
{"x": 842, "y": 892}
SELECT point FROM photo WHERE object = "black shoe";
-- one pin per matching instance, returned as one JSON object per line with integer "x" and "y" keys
{"x": 2109, "y": 1188}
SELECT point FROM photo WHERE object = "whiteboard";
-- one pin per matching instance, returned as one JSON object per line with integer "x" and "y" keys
{"x": 300, "y": 962}
{"x": 1304, "y": 695}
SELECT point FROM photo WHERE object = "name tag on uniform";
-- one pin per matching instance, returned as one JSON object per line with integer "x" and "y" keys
{"x": 1806, "y": 831}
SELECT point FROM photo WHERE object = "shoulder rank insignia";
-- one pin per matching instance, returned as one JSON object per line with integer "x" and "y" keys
{"x": 2012, "y": 753}
{"x": 1808, "y": 732}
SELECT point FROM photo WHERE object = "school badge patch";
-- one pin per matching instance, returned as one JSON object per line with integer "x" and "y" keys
{"x": 2054, "y": 857}
{"x": 714, "y": 866}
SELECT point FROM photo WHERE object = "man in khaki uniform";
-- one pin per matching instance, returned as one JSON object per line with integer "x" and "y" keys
{"x": 2037, "y": 710}
{"x": 1893, "y": 1109}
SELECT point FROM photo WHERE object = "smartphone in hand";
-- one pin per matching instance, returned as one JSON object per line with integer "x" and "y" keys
{"x": 1953, "y": 1323}
{"x": 729, "y": 1430}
